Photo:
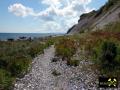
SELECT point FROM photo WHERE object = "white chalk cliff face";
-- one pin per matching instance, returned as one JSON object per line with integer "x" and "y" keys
{"x": 97, "y": 19}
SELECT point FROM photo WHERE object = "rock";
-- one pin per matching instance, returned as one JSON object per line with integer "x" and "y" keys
{"x": 55, "y": 59}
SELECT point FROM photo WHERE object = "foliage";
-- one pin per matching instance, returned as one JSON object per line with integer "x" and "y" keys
{"x": 66, "y": 47}
{"x": 16, "y": 56}
{"x": 35, "y": 49}
{"x": 73, "y": 62}
{"x": 5, "y": 80}
{"x": 108, "y": 54}
{"x": 19, "y": 66}
{"x": 103, "y": 47}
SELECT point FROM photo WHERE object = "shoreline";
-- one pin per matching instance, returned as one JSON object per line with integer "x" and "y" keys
{"x": 26, "y": 36}
{"x": 23, "y": 38}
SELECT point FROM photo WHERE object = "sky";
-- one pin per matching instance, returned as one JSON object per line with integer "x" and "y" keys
{"x": 43, "y": 16}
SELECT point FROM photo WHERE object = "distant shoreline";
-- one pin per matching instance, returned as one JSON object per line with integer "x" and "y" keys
{"x": 16, "y": 36}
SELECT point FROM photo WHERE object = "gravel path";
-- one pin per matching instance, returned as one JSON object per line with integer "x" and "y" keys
{"x": 40, "y": 77}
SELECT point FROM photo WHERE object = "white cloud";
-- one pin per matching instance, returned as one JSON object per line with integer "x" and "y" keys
{"x": 66, "y": 7}
{"x": 20, "y": 10}
{"x": 59, "y": 15}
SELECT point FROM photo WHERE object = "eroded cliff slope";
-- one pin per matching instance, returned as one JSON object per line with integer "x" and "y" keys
{"x": 109, "y": 13}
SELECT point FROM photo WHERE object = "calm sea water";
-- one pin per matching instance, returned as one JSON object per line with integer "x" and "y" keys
{"x": 5, "y": 36}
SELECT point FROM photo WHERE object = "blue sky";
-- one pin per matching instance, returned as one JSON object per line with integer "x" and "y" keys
{"x": 43, "y": 16}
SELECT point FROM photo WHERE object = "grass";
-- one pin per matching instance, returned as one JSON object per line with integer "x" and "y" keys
{"x": 5, "y": 80}
{"x": 15, "y": 58}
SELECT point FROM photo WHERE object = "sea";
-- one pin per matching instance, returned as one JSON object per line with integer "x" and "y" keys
{"x": 5, "y": 36}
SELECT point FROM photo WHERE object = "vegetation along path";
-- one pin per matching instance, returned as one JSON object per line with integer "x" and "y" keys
{"x": 48, "y": 75}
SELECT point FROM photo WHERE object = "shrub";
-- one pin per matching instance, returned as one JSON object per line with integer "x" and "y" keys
{"x": 105, "y": 56}
{"x": 35, "y": 49}
{"x": 49, "y": 42}
{"x": 19, "y": 66}
{"x": 109, "y": 52}
{"x": 3, "y": 63}
{"x": 66, "y": 48}
{"x": 73, "y": 62}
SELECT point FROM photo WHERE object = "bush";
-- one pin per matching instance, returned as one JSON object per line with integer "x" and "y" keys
{"x": 73, "y": 62}
{"x": 66, "y": 48}
{"x": 35, "y": 49}
{"x": 19, "y": 65}
{"x": 49, "y": 42}
{"x": 106, "y": 56}
{"x": 3, "y": 63}
{"x": 109, "y": 52}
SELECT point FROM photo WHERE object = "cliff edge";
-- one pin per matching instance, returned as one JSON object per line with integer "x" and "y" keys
{"x": 109, "y": 13}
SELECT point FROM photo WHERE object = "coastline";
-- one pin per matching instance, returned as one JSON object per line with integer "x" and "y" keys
{"x": 26, "y": 36}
